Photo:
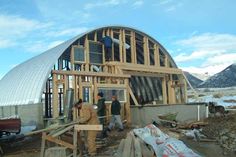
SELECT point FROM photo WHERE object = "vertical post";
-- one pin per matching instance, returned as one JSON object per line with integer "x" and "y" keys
{"x": 80, "y": 88}
{"x": 43, "y": 144}
{"x": 156, "y": 55}
{"x": 120, "y": 46}
{"x": 72, "y": 58}
{"x": 185, "y": 90}
{"x": 133, "y": 48}
{"x": 166, "y": 61}
{"x": 112, "y": 47}
{"x": 164, "y": 93}
{"x": 127, "y": 104}
{"x": 123, "y": 43}
{"x": 87, "y": 53}
{"x": 55, "y": 96}
{"x": 103, "y": 48}
{"x": 95, "y": 36}
{"x": 95, "y": 89}
{"x": 75, "y": 136}
{"x": 146, "y": 51}
{"x": 171, "y": 94}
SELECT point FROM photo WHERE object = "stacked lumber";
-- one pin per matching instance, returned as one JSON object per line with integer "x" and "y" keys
{"x": 133, "y": 146}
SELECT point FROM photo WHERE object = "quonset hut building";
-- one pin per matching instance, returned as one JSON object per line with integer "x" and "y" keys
{"x": 140, "y": 72}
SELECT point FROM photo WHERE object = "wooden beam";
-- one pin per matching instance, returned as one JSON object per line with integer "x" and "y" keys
{"x": 127, "y": 104}
{"x": 120, "y": 46}
{"x": 164, "y": 93}
{"x": 95, "y": 36}
{"x": 133, "y": 48}
{"x": 146, "y": 51}
{"x": 156, "y": 55}
{"x": 57, "y": 141}
{"x": 146, "y": 68}
{"x": 75, "y": 138}
{"x": 55, "y": 96}
{"x": 112, "y": 47}
{"x": 43, "y": 145}
{"x": 123, "y": 45}
{"x": 99, "y": 85}
{"x": 82, "y": 73}
{"x": 86, "y": 48}
{"x": 166, "y": 61}
{"x": 132, "y": 96}
{"x": 136, "y": 73}
{"x": 89, "y": 127}
{"x": 72, "y": 58}
{"x": 171, "y": 91}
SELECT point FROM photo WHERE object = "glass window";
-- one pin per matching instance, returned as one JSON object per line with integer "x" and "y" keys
{"x": 95, "y": 53}
{"x": 109, "y": 92}
{"x": 79, "y": 54}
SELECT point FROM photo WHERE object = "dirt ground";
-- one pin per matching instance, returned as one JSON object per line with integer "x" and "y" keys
{"x": 218, "y": 128}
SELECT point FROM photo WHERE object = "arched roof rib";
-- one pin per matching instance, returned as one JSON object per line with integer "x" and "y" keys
{"x": 24, "y": 84}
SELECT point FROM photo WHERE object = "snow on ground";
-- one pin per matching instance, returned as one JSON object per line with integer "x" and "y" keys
{"x": 219, "y": 101}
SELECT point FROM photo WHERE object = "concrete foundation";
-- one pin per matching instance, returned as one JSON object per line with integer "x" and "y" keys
{"x": 31, "y": 114}
{"x": 141, "y": 116}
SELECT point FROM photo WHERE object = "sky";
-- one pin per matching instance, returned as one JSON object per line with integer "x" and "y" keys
{"x": 199, "y": 35}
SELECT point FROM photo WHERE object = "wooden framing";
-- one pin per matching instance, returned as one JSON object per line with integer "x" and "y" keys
{"x": 116, "y": 74}
{"x": 54, "y": 137}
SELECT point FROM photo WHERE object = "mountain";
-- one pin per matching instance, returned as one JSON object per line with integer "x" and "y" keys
{"x": 225, "y": 78}
{"x": 202, "y": 77}
{"x": 194, "y": 81}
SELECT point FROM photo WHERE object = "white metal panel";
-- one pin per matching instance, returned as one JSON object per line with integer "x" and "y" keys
{"x": 24, "y": 84}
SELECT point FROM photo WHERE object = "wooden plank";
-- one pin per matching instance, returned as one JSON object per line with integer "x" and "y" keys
{"x": 57, "y": 141}
{"x": 86, "y": 49}
{"x": 72, "y": 58}
{"x": 75, "y": 137}
{"x": 88, "y": 127}
{"x": 82, "y": 73}
{"x": 112, "y": 47}
{"x": 147, "y": 74}
{"x": 133, "y": 48}
{"x": 127, "y": 104}
{"x": 156, "y": 55}
{"x": 164, "y": 92}
{"x": 146, "y": 68}
{"x": 120, "y": 46}
{"x": 123, "y": 45}
{"x": 132, "y": 96}
{"x": 62, "y": 131}
{"x": 43, "y": 145}
{"x": 95, "y": 36}
{"x": 166, "y": 61}
{"x": 111, "y": 85}
{"x": 146, "y": 51}
{"x": 55, "y": 96}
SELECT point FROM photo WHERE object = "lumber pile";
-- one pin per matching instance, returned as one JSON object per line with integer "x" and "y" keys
{"x": 133, "y": 146}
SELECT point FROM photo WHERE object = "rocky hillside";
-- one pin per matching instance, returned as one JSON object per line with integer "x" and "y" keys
{"x": 194, "y": 81}
{"x": 225, "y": 78}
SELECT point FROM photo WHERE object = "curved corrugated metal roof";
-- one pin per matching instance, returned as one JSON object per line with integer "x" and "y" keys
{"x": 24, "y": 84}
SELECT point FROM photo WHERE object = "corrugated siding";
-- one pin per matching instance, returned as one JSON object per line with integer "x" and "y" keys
{"x": 24, "y": 84}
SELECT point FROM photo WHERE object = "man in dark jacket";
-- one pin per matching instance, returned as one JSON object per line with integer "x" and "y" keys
{"x": 101, "y": 110}
{"x": 115, "y": 111}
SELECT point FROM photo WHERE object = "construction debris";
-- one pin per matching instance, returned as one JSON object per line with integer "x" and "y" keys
{"x": 151, "y": 141}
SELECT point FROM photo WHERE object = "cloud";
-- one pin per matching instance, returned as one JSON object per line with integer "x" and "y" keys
{"x": 4, "y": 43}
{"x": 169, "y": 5}
{"x": 210, "y": 70}
{"x": 40, "y": 46}
{"x": 138, "y": 3}
{"x": 13, "y": 28}
{"x": 68, "y": 32}
{"x": 206, "y": 45}
{"x": 106, "y": 3}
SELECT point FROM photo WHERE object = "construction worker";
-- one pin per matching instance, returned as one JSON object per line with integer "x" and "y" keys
{"x": 101, "y": 112}
{"x": 107, "y": 41}
{"x": 88, "y": 115}
{"x": 115, "y": 111}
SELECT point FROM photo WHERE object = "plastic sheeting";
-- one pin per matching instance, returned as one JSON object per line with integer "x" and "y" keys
{"x": 162, "y": 144}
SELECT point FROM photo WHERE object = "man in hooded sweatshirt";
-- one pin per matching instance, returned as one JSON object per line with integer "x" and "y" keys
{"x": 101, "y": 110}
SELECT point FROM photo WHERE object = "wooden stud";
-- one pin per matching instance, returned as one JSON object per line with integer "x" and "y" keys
{"x": 80, "y": 88}
{"x": 55, "y": 96}
{"x": 164, "y": 92}
{"x": 127, "y": 104}
{"x": 146, "y": 51}
{"x": 156, "y": 55}
{"x": 75, "y": 137}
{"x": 132, "y": 96}
{"x": 43, "y": 145}
{"x": 123, "y": 45}
{"x": 87, "y": 53}
{"x": 112, "y": 47}
{"x": 72, "y": 58}
{"x": 88, "y": 127}
{"x": 120, "y": 46}
{"x": 95, "y": 36}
